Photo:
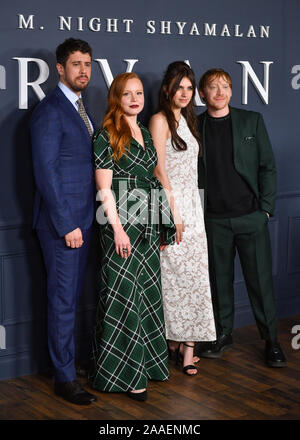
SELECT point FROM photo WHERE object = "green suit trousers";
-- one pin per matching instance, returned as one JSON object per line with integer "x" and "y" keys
{"x": 249, "y": 235}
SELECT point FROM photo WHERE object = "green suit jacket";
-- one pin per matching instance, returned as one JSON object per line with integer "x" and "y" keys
{"x": 253, "y": 155}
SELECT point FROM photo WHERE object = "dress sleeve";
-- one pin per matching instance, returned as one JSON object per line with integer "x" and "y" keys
{"x": 102, "y": 151}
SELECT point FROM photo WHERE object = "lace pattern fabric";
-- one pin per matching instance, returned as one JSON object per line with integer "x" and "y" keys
{"x": 185, "y": 279}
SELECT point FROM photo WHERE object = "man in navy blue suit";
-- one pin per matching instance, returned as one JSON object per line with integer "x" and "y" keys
{"x": 61, "y": 133}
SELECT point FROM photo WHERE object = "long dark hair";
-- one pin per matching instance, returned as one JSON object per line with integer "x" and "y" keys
{"x": 175, "y": 72}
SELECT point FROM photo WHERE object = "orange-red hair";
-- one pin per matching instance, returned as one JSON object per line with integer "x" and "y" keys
{"x": 119, "y": 131}
{"x": 211, "y": 74}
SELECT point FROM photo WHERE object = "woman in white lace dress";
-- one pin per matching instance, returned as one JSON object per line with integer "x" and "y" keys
{"x": 185, "y": 280}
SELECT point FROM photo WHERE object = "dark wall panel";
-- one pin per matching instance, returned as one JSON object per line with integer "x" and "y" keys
{"x": 263, "y": 36}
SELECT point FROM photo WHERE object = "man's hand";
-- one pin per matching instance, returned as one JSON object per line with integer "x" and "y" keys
{"x": 74, "y": 238}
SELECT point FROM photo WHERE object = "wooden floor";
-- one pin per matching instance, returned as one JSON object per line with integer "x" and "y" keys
{"x": 237, "y": 386}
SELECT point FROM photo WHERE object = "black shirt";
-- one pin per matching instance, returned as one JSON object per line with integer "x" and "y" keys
{"x": 228, "y": 194}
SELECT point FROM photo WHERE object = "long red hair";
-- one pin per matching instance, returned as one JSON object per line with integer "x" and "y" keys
{"x": 114, "y": 122}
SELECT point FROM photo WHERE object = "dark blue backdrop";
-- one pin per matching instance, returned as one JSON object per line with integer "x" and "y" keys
{"x": 33, "y": 31}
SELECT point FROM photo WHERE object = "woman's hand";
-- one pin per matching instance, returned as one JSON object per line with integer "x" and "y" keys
{"x": 162, "y": 245}
{"x": 122, "y": 243}
{"x": 103, "y": 183}
{"x": 179, "y": 231}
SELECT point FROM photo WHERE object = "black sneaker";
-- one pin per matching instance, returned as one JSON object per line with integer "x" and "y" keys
{"x": 215, "y": 349}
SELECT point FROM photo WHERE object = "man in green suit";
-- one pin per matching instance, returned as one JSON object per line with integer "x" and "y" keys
{"x": 238, "y": 173}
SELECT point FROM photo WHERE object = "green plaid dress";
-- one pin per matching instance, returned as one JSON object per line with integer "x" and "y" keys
{"x": 129, "y": 345}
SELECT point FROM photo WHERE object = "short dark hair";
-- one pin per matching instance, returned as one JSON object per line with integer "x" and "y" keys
{"x": 211, "y": 74}
{"x": 70, "y": 45}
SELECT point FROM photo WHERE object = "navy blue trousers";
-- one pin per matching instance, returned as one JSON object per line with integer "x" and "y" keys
{"x": 65, "y": 277}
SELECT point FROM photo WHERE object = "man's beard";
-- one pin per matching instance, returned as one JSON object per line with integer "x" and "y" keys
{"x": 78, "y": 87}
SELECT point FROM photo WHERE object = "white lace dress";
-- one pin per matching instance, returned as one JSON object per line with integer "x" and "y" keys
{"x": 184, "y": 268}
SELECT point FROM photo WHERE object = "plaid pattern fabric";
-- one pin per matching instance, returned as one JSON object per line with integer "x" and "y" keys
{"x": 129, "y": 345}
{"x": 152, "y": 208}
{"x": 82, "y": 113}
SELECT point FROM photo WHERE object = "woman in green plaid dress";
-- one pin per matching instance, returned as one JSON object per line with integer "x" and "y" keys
{"x": 129, "y": 345}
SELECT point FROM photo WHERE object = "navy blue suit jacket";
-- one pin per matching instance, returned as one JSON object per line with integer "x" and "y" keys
{"x": 63, "y": 166}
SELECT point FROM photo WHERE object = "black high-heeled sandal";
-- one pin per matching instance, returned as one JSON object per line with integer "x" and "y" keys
{"x": 140, "y": 397}
{"x": 180, "y": 359}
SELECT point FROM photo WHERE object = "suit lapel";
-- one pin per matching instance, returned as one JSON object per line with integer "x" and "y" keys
{"x": 69, "y": 108}
{"x": 236, "y": 132}
{"x": 202, "y": 128}
{"x": 91, "y": 119}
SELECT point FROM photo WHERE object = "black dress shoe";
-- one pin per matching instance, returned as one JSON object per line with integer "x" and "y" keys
{"x": 215, "y": 349}
{"x": 274, "y": 355}
{"x": 74, "y": 393}
{"x": 140, "y": 397}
